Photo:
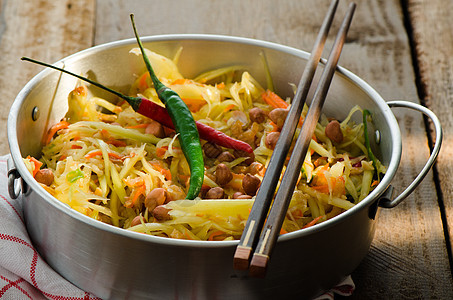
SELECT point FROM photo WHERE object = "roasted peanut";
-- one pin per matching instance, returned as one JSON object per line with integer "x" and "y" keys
{"x": 161, "y": 213}
{"x": 156, "y": 129}
{"x": 174, "y": 192}
{"x": 225, "y": 157}
{"x": 215, "y": 193}
{"x": 250, "y": 184}
{"x": 211, "y": 150}
{"x": 136, "y": 221}
{"x": 236, "y": 195}
{"x": 257, "y": 115}
{"x": 333, "y": 131}
{"x": 250, "y": 156}
{"x": 271, "y": 139}
{"x": 278, "y": 116}
{"x": 254, "y": 168}
{"x": 223, "y": 174}
{"x": 44, "y": 176}
{"x": 155, "y": 198}
{"x": 239, "y": 195}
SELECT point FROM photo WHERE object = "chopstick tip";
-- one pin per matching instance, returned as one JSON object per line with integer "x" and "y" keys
{"x": 258, "y": 265}
{"x": 241, "y": 258}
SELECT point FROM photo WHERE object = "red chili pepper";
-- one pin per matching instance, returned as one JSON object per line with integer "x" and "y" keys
{"x": 158, "y": 113}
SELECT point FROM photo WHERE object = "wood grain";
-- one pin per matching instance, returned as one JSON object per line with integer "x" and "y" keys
{"x": 45, "y": 30}
{"x": 433, "y": 36}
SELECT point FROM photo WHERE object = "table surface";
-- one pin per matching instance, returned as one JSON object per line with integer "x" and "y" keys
{"x": 404, "y": 49}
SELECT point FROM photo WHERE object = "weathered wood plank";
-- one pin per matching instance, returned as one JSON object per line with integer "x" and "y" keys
{"x": 433, "y": 35}
{"x": 408, "y": 258}
{"x": 46, "y": 30}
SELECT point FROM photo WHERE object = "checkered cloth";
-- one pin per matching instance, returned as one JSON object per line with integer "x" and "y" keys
{"x": 25, "y": 275}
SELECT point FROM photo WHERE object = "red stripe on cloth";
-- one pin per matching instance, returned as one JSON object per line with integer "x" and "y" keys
{"x": 15, "y": 210}
{"x": 33, "y": 265}
{"x": 13, "y": 284}
{"x": 15, "y": 239}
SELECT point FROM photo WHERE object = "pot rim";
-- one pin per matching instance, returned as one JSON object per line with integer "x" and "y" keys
{"x": 371, "y": 198}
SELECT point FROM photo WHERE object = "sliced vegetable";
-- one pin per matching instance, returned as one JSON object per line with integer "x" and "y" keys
{"x": 184, "y": 124}
{"x": 75, "y": 175}
{"x": 274, "y": 100}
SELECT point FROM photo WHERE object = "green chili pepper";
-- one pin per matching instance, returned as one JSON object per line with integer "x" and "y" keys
{"x": 371, "y": 156}
{"x": 75, "y": 175}
{"x": 184, "y": 125}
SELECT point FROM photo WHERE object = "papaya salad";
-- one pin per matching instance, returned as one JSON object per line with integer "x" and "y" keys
{"x": 111, "y": 163}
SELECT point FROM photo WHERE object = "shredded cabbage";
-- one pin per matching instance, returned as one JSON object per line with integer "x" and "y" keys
{"x": 107, "y": 160}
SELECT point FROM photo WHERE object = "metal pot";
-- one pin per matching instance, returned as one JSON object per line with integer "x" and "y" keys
{"x": 114, "y": 263}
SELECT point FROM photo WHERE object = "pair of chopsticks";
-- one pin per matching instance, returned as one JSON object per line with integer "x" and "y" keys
{"x": 268, "y": 234}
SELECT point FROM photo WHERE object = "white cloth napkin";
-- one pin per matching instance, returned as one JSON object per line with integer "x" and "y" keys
{"x": 25, "y": 275}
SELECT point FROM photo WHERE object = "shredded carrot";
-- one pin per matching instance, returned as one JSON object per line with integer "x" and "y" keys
{"x": 187, "y": 235}
{"x": 160, "y": 152}
{"x": 214, "y": 234}
{"x": 162, "y": 170}
{"x": 194, "y": 104}
{"x": 36, "y": 164}
{"x": 229, "y": 107}
{"x": 324, "y": 188}
{"x": 105, "y": 133}
{"x": 320, "y": 183}
{"x": 220, "y": 85}
{"x": 274, "y": 127}
{"x": 76, "y": 147}
{"x": 81, "y": 90}
{"x": 283, "y": 231}
{"x": 114, "y": 155}
{"x": 297, "y": 213}
{"x": 143, "y": 125}
{"x": 375, "y": 183}
{"x": 319, "y": 161}
{"x": 337, "y": 184}
{"x": 137, "y": 192}
{"x": 313, "y": 222}
{"x": 53, "y": 130}
{"x": 274, "y": 100}
{"x": 181, "y": 81}
{"x": 116, "y": 143}
{"x": 93, "y": 154}
{"x": 143, "y": 82}
{"x": 99, "y": 152}
{"x": 184, "y": 177}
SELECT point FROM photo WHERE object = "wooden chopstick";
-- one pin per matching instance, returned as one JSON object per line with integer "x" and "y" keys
{"x": 267, "y": 188}
{"x": 271, "y": 229}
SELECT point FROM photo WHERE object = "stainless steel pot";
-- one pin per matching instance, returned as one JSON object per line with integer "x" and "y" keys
{"x": 113, "y": 263}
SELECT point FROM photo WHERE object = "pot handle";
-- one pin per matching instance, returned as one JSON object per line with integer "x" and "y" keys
{"x": 387, "y": 200}
{"x": 13, "y": 175}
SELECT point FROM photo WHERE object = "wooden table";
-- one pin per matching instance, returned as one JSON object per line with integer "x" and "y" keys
{"x": 403, "y": 49}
